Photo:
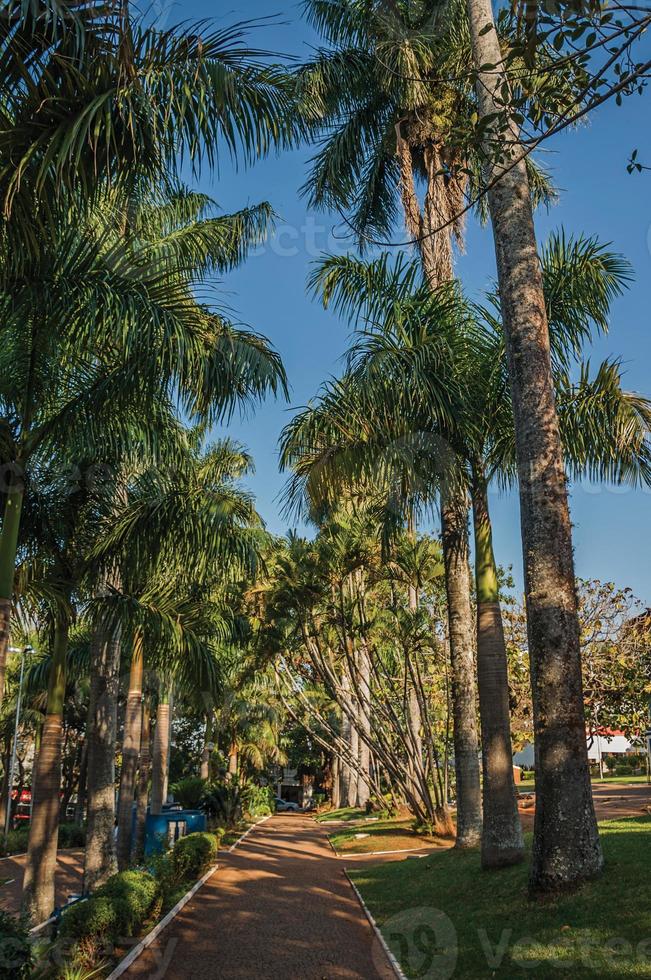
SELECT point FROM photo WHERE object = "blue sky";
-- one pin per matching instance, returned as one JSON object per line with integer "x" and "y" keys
{"x": 612, "y": 525}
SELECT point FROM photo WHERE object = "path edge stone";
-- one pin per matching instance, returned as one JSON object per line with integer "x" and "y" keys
{"x": 395, "y": 966}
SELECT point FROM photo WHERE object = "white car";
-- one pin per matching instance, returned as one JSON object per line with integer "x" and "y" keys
{"x": 285, "y": 805}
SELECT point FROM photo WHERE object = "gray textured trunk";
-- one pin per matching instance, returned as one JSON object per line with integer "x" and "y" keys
{"x": 364, "y": 721}
{"x": 336, "y": 782}
{"x": 204, "y": 771}
{"x": 502, "y": 840}
{"x": 566, "y": 848}
{"x": 454, "y": 520}
{"x": 160, "y": 757}
{"x": 130, "y": 753}
{"x": 436, "y": 255}
{"x": 100, "y": 859}
{"x": 142, "y": 793}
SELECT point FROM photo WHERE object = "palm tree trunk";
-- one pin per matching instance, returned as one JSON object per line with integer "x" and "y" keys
{"x": 100, "y": 858}
{"x": 364, "y": 718}
{"x": 40, "y": 864}
{"x": 142, "y": 793}
{"x": 8, "y": 547}
{"x": 82, "y": 786}
{"x": 454, "y": 521}
{"x": 130, "y": 752}
{"x": 160, "y": 755}
{"x": 6, "y": 765}
{"x": 566, "y": 847}
{"x": 232, "y": 761}
{"x": 336, "y": 780}
{"x": 502, "y": 841}
{"x": 205, "y": 755}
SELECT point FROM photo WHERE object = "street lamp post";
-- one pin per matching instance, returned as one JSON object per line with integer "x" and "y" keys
{"x": 12, "y": 767}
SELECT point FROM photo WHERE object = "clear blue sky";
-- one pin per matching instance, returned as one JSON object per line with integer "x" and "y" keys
{"x": 612, "y": 526}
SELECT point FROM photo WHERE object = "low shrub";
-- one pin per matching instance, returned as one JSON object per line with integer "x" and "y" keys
{"x": 138, "y": 889}
{"x": 16, "y": 960}
{"x": 72, "y": 835}
{"x": 16, "y": 842}
{"x": 189, "y": 792}
{"x": 117, "y": 909}
{"x": 258, "y": 801}
{"x": 222, "y": 802}
{"x": 96, "y": 917}
{"x": 194, "y": 854}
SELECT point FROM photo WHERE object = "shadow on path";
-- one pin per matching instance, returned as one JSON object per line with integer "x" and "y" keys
{"x": 279, "y": 906}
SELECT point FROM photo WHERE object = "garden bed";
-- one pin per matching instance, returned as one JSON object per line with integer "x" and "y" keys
{"x": 385, "y": 834}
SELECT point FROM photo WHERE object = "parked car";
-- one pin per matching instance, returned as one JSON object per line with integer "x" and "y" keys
{"x": 285, "y": 805}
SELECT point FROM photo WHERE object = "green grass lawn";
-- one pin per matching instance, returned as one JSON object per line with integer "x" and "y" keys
{"x": 345, "y": 813}
{"x": 445, "y": 918}
{"x": 383, "y": 835}
{"x": 622, "y": 780}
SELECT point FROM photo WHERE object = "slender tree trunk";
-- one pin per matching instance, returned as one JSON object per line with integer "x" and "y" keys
{"x": 502, "y": 840}
{"x": 40, "y": 864}
{"x": 364, "y": 716}
{"x": 436, "y": 256}
{"x": 232, "y": 761}
{"x": 142, "y": 793}
{"x": 130, "y": 752}
{"x": 336, "y": 781}
{"x": 566, "y": 848}
{"x": 454, "y": 520}
{"x": 6, "y": 765}
{"x": 160, "y": 755}
{"x": 353, "y": 776}
{"x": 8, "y": 547}
{"x": 205, "y": 755}
{"x": 100, "y": 858}
{"x": 414, "y": 720}
{"x": 345, "y": 769}
{"x": 82, "y": 787}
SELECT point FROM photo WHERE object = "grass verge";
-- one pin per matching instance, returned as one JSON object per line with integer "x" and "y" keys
{"x": 345, "y": 813}
{"x": 383, "y": 835}
{"x": 444, "y": 918}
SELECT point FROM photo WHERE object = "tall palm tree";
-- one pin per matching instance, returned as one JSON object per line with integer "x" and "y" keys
{"x": 90, "y": 93}
{"x": 566, "y": 849}
{"x": 357, "y": 429}
{"x": 175, "y": 531}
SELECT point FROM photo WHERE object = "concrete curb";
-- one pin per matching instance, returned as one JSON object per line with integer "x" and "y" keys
{"x": 395, "y": 966}
{"x": 132, "y": 956}
{"x": 405, "y": 850}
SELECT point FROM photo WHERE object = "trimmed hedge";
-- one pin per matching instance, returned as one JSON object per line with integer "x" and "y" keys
{"x": 194, "y": 854}
{"x": 70, "y": 835}
{"x": 117, "y": 909}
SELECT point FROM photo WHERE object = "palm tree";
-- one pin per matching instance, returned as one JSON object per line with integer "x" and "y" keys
{"x": 354, "y": 429}
{"x": 175, "y": 531}
{"x": 90, "y": 93}
{"x": 566, "y": 849}
{"x": 386, "y": 124}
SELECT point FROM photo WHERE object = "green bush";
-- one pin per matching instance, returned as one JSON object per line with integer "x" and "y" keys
{"x": 223, "y": 803}
{"x": 72, "y": 835}
{"x": 193, "y": 855}
{"x": 95, "y": 917}
{"x": 189, "y": 792}
{"x": 117, "y": 909}
{"x": 258, "y": 801}
{"x": 16, "y": 958}
{"x": 16, "y": 842}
